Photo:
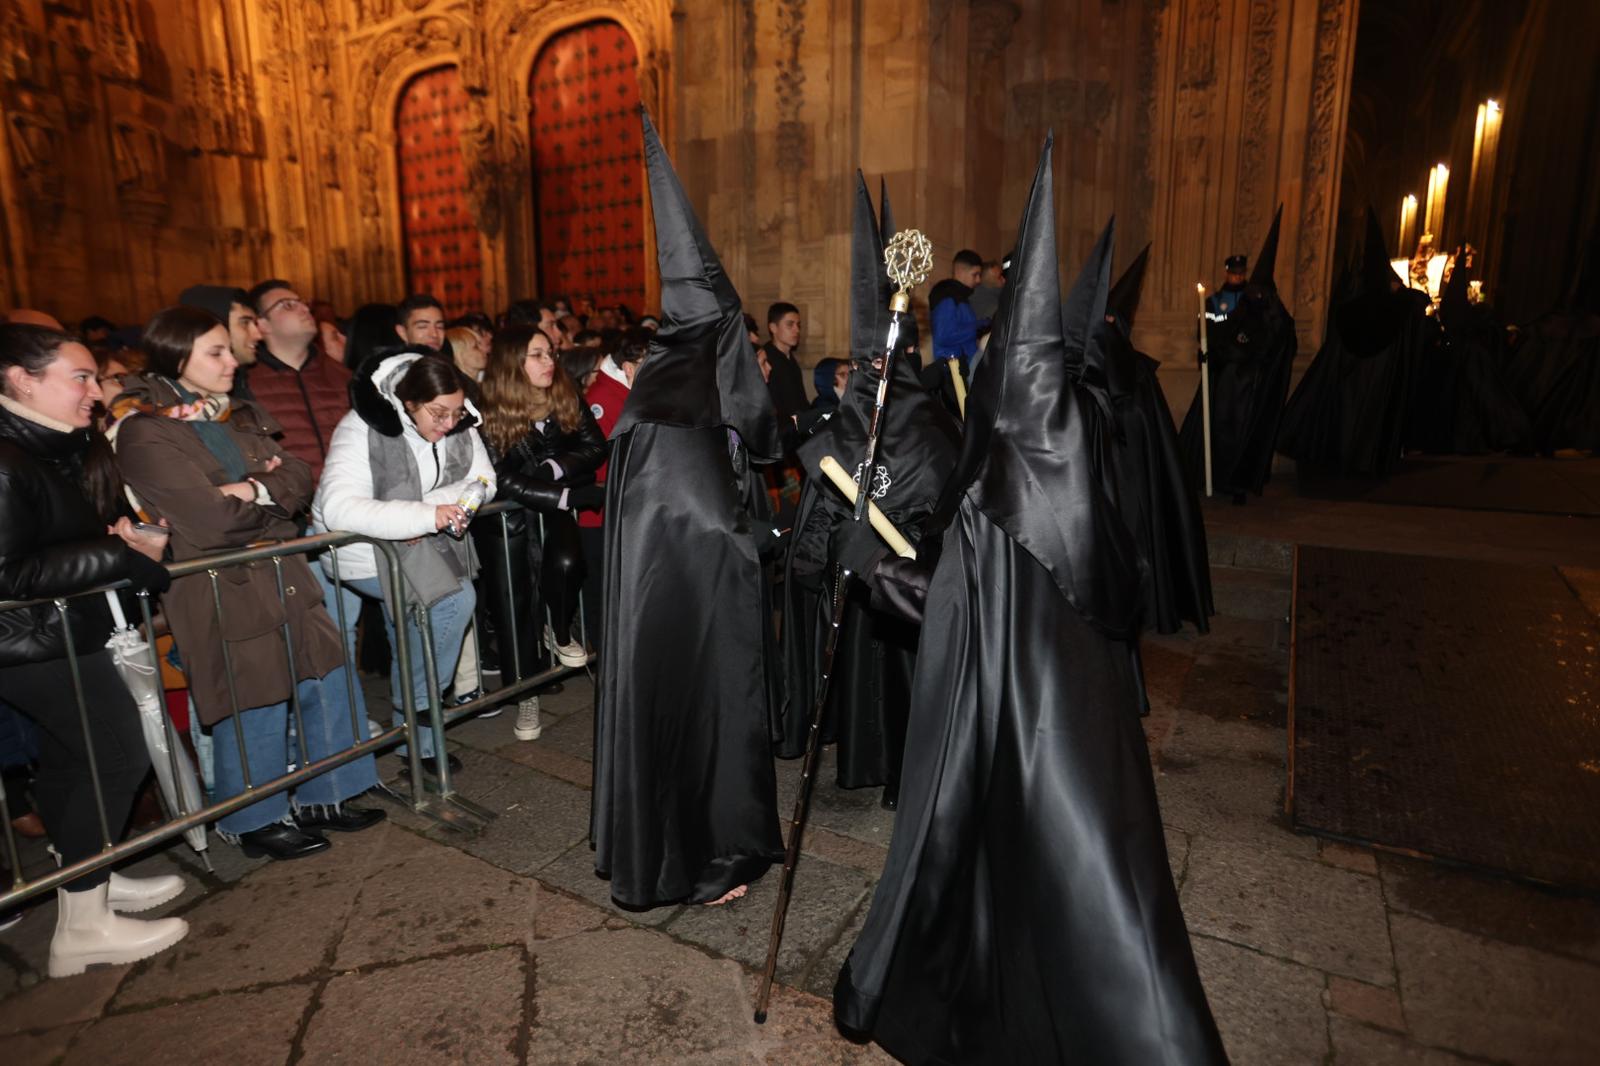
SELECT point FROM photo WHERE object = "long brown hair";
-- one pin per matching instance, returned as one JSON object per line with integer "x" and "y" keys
{"x": 511, "y": 403}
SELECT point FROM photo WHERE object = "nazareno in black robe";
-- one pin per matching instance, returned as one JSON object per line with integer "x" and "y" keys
{"x": 870, "y": 689}
{"x": 1251, "y": 356}
{"x": 1026, "y": 913}
{"x": 1350, "y": 413}
{"x": 685, "y": 795}
{"x": 1158, "y": 501}
{"x": 1464, "y": 404}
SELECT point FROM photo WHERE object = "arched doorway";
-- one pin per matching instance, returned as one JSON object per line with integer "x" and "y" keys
{"x": 441, "y": 242}
{"x": 588, "y": 165}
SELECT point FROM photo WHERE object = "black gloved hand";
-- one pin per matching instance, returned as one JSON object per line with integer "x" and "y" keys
{"x": 855, "y": 546}
{"x": 586, "y": 498}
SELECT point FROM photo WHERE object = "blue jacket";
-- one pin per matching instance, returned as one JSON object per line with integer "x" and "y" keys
{"x": 955, "y": 325}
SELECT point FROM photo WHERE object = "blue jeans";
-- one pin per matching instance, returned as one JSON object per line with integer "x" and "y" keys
{"x": 325, "y": 712}
{"x": 448, "y": 619}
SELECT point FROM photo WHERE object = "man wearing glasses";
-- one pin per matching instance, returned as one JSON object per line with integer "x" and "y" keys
{"x": 303, "y": 389}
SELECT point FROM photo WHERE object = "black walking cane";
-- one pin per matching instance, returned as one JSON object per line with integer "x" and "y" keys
{"x": 908, "y": 259}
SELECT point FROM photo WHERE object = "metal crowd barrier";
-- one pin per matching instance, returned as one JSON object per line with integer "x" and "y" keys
{"x": 436, "y": 799}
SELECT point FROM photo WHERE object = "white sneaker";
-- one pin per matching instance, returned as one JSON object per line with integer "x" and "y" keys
{"x": 569, "y": 654}
{"x": 88, "y": 932}
{"x": 130, "y": 895}
{"x": 528, "y": 726}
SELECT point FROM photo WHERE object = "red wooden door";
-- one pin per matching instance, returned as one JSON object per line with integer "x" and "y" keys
{"x": 588, "y": 166}
{"x": 441, "y": 240}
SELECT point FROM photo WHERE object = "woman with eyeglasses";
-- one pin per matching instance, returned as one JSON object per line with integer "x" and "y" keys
{"x": 398, "y": 465}
{"x": 547, "y": 447}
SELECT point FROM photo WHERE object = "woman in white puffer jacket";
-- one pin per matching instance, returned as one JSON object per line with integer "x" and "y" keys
{"x": 397, "y": 466}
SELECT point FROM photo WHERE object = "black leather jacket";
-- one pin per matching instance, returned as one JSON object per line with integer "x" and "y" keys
{"x": 53, "y": 543}
{"x": 524, "y": 473}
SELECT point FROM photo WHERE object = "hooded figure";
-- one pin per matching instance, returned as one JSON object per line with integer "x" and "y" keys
{"x": 917, "y": 447}
{"x": 1349, "y": 413}
{"x": 1251, "y": 354}
{"x": 1026, "y": 912}
{"x": 1555, "y": 371}
{"x": 685, "y": 795}
{"x": 1474, "y": 410}
{"x": 1155, "y": 495}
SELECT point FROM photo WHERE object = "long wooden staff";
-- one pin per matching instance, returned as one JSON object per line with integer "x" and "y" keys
{"x": 802, "y": 804}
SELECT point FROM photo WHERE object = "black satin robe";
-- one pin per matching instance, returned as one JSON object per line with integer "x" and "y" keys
{"x": 1026, "y": 913}
{"x": 1351, "y": 411}
{"x": 685, "y": 794}
{"x": 1154, "y": 494}
{"x": 871, "y": 685}
{"x": 1251, "y": 356}
{"x": 1555, "y": 371}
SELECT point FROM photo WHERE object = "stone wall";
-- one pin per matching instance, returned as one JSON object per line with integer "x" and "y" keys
{"x": 153, "y": 145}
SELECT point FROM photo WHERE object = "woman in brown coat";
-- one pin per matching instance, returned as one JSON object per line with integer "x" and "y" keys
{"x": 209, "y": 465}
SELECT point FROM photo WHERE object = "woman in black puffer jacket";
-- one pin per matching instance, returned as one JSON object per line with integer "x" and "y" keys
{"x": 546, "y": 448}
{"x": 61, "y": 534}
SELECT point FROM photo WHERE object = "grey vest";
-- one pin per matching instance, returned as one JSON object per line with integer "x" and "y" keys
{"x": 435, "y": 565}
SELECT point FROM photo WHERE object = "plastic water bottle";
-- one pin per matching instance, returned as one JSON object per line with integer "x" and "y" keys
{"x": 472, "y": 498}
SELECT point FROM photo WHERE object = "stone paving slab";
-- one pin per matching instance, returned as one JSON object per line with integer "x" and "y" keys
{"x": 824, "y": 899}
{"x": 1357, "y": 1045}
{"x": 240, "y": 1029}
{"x": 277, "y": 925}
{"x": 38, "y": 1049}
{"x": 1489, "y": 907}
{"x": 1269, "y": 1011}
{"x": 426, "y": 900}
{"x": 1308, "y": 912}
{"x": 1495, "y": 1000}
{"x": 1229, "y": 800}
{"x": 573, "y": 872}
{"x": 572, "y": 735}
{"x": 61, "y": 1001}
{"x": 539, "y": 818}
{"x": 467, "y": 1008}
{"x": 619, "y": 996}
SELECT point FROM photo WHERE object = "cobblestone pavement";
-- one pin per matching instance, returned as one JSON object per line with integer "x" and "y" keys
{"x": 414, "y": 943}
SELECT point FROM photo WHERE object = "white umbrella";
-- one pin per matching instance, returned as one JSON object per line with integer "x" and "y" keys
{"x": 142, "y": 674}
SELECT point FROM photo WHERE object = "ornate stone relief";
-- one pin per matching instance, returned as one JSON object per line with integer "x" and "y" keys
{"x": 1256, "y": 173}
{"x": 793, "y": 134}
{"x": 1320, "y": 146}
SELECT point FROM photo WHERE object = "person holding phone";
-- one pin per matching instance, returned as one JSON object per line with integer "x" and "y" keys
{"x": 399, "y": 465}
{"x": 209, "y": 465}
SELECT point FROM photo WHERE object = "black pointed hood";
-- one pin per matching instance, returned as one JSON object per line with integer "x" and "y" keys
{"x": 1027, "y": 456}
{"x": 1123, "y": 301}
{"x": 1376, "y": 270}
{"x": 885, "y": 212}
{"x": 1455, "y": 308}
{"x": 701, "y": 370}
{"x": 1083, "y": 318}
{"x": 870, "y": 287}
{"x": 1267, "y": 259}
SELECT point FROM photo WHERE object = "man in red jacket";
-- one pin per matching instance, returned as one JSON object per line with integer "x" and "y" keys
{"x": 299, "y": 386}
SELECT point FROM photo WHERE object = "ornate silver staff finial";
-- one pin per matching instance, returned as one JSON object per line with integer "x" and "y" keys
{"x": 908, "y": 261}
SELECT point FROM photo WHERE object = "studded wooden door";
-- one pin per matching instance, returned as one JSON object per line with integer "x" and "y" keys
{"x": 441, "y": 241}
{"x": 588, "y": 166}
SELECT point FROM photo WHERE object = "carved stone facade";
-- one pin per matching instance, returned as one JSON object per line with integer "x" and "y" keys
{"x": 149, "y": 146}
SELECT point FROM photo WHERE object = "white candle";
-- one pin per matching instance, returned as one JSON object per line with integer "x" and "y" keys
{"x": 1201, "y": 289}
{"x": 1433, "y": 217}
{"x": 1408, "y": 227}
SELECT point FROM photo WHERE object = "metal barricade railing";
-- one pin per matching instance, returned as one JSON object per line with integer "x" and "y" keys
{"x": 439, "y": 800}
